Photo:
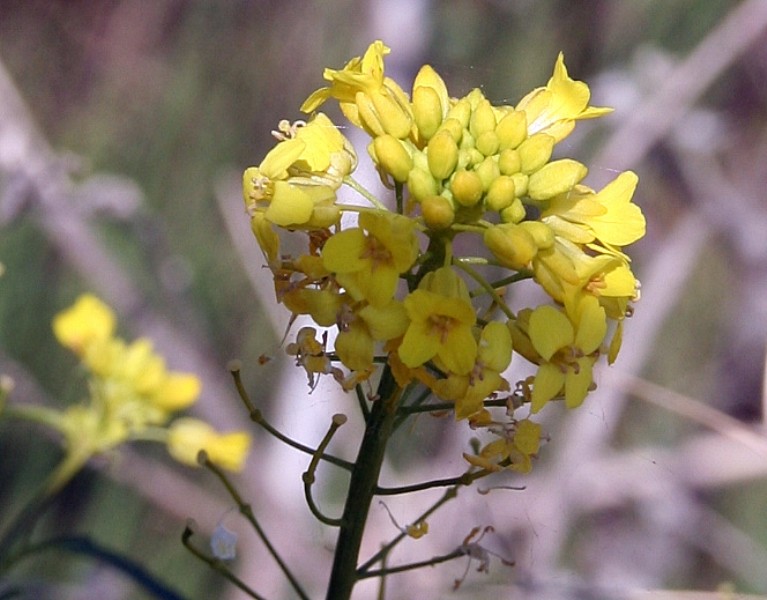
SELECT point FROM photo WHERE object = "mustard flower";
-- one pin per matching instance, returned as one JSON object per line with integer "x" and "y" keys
{"x": 493, "y": 356}
{"x": 355, "y": 343}
{"x": 367, "y": 97}
{"x": 566, "y": 345}
{"x": 516, "y": 446}
{"x": 295, "y": 183}
{"x": 368, "y": 260}
{"x": 607, "y": 216}
{"x": 555, "y": 108}
{"x": 441, "y": 319}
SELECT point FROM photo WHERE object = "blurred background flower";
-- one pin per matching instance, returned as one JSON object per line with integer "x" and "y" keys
{"x": 124, "y": 128}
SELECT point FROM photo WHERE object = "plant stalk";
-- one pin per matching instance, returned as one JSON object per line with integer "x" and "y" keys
{"x": 362, "y": 486}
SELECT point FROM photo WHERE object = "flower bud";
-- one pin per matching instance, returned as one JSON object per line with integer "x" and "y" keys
{"x": 488, "y": 172}
{"x": 454, "y": 127}
{"x": 394, "y": 119}
{"x": 487, "y": 143}
{"x": 509, "y": 162}
{"x": 512, "y": 129}
{"x": 501, "y": 194}
{"x": 511, "y": 244}
{"x": 482, "y": 119}
{"x": 427, "y": 77}
{"x": 442, "y": 152}
{"x": 466, "y": 187}
{"x": 541, "y": 233}
{"x": 535, "y": 152}
{"x": 461, "y": 112}
{"x": 421, "y": 184}
{"x": 514, "y": 213}
{"x": 392, "y": 156}
{"x": 520, "y": 184}
{"x": 427, "y": 111}
{"x": 368, "y": 116}
{"x": 555, "y": 178}
{"x": 437, "y": 212}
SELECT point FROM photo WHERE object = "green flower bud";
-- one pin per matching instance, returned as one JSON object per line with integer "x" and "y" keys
{"x": 461, "y": 112}
{"x": 541, "y": 233}
{"x": 421, "y": 184}
{"x": 514, "y": 213}
{"x": 466, "y": 187}
{"x": 442, "y": 152}
{"x": 482, "y": 119}
{"x": 509, "y": 162}
{"x": 454, "y": 127}
{"x": 487, "y": 143}
{"x": 511, "y": 244}
{"x": 555, "y": 178}
{"x": 427, "y": 111}
{"x": 535, "y": 152}
{"x": 512, "y": 129}
{"x": 501, "y": 194}
{"x": 392, "y": 156}
{"x": 437, "y": 212}
{"x": 520, "y": 184}
{"x": 488, "y": 172}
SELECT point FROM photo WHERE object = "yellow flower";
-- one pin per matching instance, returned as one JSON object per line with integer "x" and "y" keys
{"x": 366, "y": 96}
{"x": 441, "y": 318}
{"x": 515, "y": 447}
{"x": 296, "y": 181}
{"x": 355, "y": 343}
{"x": 86, "y": 322}
{"x": 566, "y": 347}
{"x": 555, "y": 108}
{"x": 493, "y": 356}
{"x": 187, "y": 436}
{"x": 368, "y": 260}
{"x": 608, "y": 216}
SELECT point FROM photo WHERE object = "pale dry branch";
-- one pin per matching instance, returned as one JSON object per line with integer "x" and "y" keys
{"x": 657, "y": 115}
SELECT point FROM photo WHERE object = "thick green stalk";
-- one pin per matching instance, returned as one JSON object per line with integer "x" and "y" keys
{"x": 364, "y": 480}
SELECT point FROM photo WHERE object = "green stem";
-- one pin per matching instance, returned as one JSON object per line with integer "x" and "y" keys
{"x": 362, "y": 191}
{"x": 362, "y": 485}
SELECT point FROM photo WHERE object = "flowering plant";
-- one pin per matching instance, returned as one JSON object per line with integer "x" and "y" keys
{"x": 410, "y": 299}
{"x": 416, "y": 292}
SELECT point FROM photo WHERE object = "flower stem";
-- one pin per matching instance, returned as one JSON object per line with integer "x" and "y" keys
{"x": 362, "y": 486}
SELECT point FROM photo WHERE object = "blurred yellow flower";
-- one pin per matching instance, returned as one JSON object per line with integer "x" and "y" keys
{"x": 187, "y": 436}
{"x": 89, "y": 320}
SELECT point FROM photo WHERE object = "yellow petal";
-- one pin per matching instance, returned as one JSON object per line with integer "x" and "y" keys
{"x": 592, "y": 324}
{"x": 550, "y": 330}
{"x": 577, "y": 383}
{"x": 290, "y": 205}
{"x": 548, "y": 383}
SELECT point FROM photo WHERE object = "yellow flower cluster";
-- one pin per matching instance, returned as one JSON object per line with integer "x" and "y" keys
{"x": 393, "y": 284}
{"x": 132, "y": 394}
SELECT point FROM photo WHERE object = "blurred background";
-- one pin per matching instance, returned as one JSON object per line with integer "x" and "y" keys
{"x": 124, "y": 128}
